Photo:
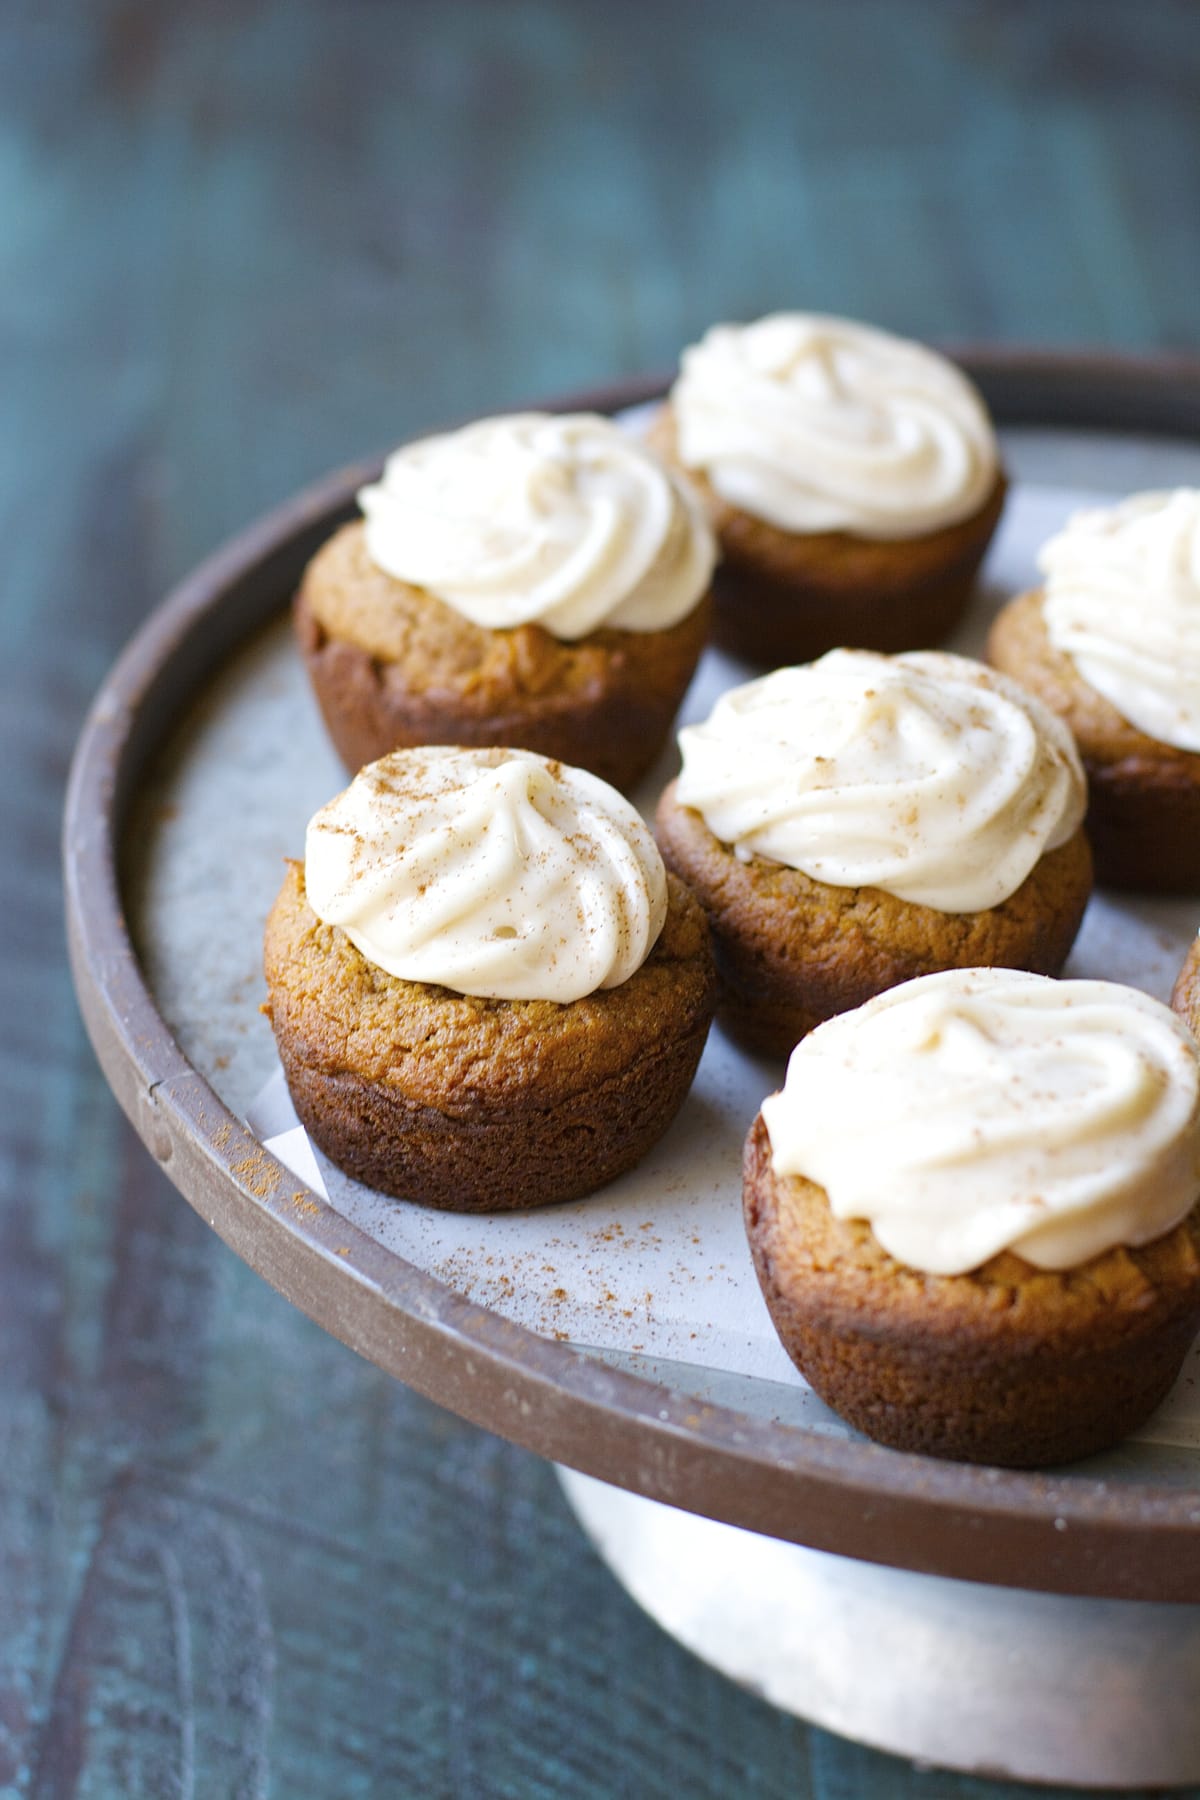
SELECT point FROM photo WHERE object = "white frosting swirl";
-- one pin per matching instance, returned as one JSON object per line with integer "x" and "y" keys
{"x": 818, "y": 424}
{"x": 1122, "y": 600}
{"x": 1007, "y": 1111}
{"x": 927, "y": 775}
{"x": 491, "y": 872}
{"x": 561, "y": 520}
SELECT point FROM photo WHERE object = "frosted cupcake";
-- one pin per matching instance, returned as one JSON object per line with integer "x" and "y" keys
{"x": 486, "y": 991}
{"x": 1005, "y": 1267}
{"x": 1111, "y": 642}
{"x": 864, "y": 819}
{"x": 537, "y": 580}
{"x": 852, "y": 478}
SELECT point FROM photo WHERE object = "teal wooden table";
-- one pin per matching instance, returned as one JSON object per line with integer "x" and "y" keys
{"x": 241, "y": 243}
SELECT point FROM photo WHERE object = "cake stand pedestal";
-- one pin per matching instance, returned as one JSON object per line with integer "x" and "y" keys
{"x": 993, "y": 1681}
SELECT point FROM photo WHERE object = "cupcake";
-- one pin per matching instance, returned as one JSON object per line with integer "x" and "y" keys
{"x": 1186, "y": 997}
{"x": 486, "y": 991}
{"x": 852, "y": 478}
{"x": 1006, "y": 1267}
{"x": 1111, "y": 642}
{"x": 537, "y": 580}
{"x": 861, "y": 820}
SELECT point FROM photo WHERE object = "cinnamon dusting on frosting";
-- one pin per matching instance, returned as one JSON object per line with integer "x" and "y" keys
{"x": 495, "y": 873}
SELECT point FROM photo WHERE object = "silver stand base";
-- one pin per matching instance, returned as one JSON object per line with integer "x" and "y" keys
{"x": 992, "y": 1681}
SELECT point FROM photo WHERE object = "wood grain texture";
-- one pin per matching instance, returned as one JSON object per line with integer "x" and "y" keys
{"x": 240, "y": 242}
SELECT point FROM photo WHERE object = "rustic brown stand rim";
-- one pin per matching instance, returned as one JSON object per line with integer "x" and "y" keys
{"x": 1068, "y": 1533}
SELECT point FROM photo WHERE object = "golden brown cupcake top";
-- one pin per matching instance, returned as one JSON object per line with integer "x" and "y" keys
{"x": 1006, "y": 1112}
{"x": 343, "y": 1013}
{"x": 925, "y": 775}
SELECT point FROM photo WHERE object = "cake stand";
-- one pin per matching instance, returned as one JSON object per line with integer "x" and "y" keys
{"x": 1035, "y": 1625}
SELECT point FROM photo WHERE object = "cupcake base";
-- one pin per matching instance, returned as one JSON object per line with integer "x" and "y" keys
{"x": 791, "y": 951}
{"x": 784, "y": 597}
{"x": 1010, "y": 1364}
{"x": 393, "y": 668}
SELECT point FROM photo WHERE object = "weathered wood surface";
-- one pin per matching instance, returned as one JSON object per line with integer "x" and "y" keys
{"x": 239, "y": 243}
